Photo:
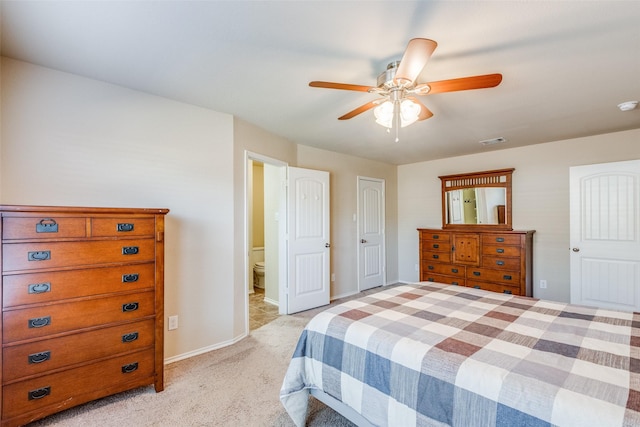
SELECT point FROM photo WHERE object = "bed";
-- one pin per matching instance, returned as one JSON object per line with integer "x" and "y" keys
{"x": 430, "y": 354}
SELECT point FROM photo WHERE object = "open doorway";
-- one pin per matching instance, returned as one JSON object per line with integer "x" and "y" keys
{"x": 263, "y": 201}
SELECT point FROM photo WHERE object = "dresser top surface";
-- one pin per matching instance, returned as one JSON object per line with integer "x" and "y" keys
{"x": 80, "y": 209}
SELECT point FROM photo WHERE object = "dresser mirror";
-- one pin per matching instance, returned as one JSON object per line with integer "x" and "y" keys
{"x": 478, "y": 200}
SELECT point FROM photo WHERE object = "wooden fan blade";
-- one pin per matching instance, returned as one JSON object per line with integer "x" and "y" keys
{"x": 413, "y": 61}
{"x": 425, "y": 113}
{"x": 465, "y": 83}
{"x": 361, "y": 109}
{"x": 342, "y": 86}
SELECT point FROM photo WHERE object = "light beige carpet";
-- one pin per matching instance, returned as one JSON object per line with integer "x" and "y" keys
{"x": 234, "y": 386}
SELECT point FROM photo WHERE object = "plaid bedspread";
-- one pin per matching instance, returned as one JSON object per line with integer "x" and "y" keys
{"x": 435, "y": 355}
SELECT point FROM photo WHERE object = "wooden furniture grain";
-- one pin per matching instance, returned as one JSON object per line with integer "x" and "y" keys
{"x": 82, "y": 293}
{"x": 499, "y": 261}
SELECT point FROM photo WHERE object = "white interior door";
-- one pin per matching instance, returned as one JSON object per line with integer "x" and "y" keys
{"x": 371, "y": 245}
{"x": 605, "y": 241}
{"x": 308, "y": 239}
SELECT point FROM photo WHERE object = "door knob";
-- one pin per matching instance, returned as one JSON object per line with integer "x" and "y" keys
{"x": 363, "y": 241}
{"x": 576, "y": 249}
{"x": 327, "y": 245}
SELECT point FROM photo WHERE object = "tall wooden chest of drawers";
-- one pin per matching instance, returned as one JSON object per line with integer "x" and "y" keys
{"x": 499, "y": 261}
{"x": 82, "y": 306}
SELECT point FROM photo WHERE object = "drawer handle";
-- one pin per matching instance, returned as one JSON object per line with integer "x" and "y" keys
{"x": 130, "y": 337}
{"x": 454, "y": 283}
{"x": 435, "y": 236}
{"x": 39, "y": 357}
{"x": 130, "y": 306}
{"x": 436, "y": 246}
{"x": 430, "y": 279}
{"x": 39, "y": 322}
{"x": 476, "y": 273}
{"x": 128, "y": 278}
{"x": 476, "y": 287}
{"x": 124, "y": 227}
{"x": 507, "y": 292}
{"x": 39, "y": 255}
{"x": 39, "y": 288}
{"x": 500, "y": 262}
{"x": 39, "y": 393}
{"x": 500, "y": 239}
{"x": 500, "y": 250}
{"x": 506, "y": 277}
{"x": 127, "y": 369}
{"x": 47, "y": 225}
{"x": 436, "y": 256}
{"x": 454, "y": 270}
{"x": 431, "y": 267}
{"x": 130, "y": 250}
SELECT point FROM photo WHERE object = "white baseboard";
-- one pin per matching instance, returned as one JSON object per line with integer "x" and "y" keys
{"x": 203, "y": 350}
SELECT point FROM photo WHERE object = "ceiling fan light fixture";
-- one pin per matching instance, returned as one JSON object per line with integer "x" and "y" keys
{"x": 409, "y": 113}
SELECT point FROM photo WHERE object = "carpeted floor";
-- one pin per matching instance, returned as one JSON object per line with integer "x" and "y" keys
{"x": 233, "y": 386}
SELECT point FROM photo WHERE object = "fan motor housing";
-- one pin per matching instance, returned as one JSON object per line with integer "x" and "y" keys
{"x": 385, "y": 79}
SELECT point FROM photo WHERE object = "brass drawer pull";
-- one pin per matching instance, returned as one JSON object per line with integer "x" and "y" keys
{"x": 454, "y": 270}
{"x": 500, "y": 239}
{"x": 130, "y": 306}
{"x": 436, "y": 256}
{"x": 39, "y": 255}
{"x": 39, "y": 393}
{"x": 436, "y": 246}
{"x": 431, "y": 267}
{"x": 128, "y": 278}
{"x": 506, "y": 277}
{"x": 130, "y": 337}
{"x": 124, "y": 227}
{"x": 126, "y": 369}
{"x": 500, "y": 250}
{"x": 476, "y": 273}
{"x": 435, "y": 236}
{"x": 130, "y": 250}
{"x": 500, "y": 262}
{"x": 47, "y": 225}
{"x": 39, "y": 322}
{"x": 39, "y": 288}
{"x": 39, "y": 357}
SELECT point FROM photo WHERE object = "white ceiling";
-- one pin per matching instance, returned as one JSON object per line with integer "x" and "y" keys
{"x": 565, "y": 64}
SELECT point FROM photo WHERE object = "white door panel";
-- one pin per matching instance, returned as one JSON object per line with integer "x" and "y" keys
{"x": 308, "y": 239}
{"x": 605, "y": 235}
{"x": 371, "y": 249}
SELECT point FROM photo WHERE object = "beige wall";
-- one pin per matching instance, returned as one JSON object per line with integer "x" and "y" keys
{"x": 540, "y": 198}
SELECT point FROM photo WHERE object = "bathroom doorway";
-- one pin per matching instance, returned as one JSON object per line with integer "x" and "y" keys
{"x": 263, "y": 200}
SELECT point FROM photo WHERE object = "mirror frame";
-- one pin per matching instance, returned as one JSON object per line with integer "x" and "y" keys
{"x": 500, "y": 178}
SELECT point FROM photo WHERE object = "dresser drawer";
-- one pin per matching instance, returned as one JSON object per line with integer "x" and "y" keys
{"x": 436, "y": 246}
{"x": 121, "y": 373}
{"x": 489, "y": 275}
{"x": 31, "y": 256}
{"x": 501, "y": 262}
{"x": 494, "y": 287}
{"x": 38, "y": 322}
{"x": 439, "y": 278}
{"x": 436, "y": 256}
{"x": 501, "y": 239}
{"x": 37, "y": 357}
{"x": 33, "y": 288}
{"x": 435, "y": 235}
{"x": 43, "y": 227}
{"x": 448, "y": 269}
{"x": 122, "y": 227}
{"x": 502, "y": 250}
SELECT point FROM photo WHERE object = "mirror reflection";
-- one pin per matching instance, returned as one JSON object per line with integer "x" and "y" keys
{"x": 476, "y": 205}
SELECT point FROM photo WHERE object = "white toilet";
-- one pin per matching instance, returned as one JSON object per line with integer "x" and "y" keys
{"x": 258, "y": 275}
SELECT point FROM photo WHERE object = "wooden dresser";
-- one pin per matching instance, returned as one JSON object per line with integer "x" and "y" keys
{"x": 499, "y": 261}
{"x": 82, "y": 306}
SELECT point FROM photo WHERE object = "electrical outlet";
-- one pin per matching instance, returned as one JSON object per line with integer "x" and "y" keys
{"x": 333, "y": 277}
{"x": 543, "y": 284}
{"x": 173, "y": 322}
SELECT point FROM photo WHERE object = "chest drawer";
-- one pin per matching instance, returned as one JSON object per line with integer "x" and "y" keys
{"x": 494, "y": 287}
{"x": 440, "y": 278}
{"x": 41, "y": 255}
{"x": 37, "y": 357}
{"x": 436, "y": 246}
{"x": 41, "y": 321}
{"x": 120, "y": 372}
{"x": 122, "y": 227}
{"x": 498, "y": 262}
{"x": 33, "y": 288}
{"x": 501, "y": 250}
{"x": 43, "y": 227}
{"x": 448, "y": 269}
{"x": 436, "y": 256}
{"x": 435, "y": 235}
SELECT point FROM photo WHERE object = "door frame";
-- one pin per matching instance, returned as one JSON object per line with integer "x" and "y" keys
{"x": 383, "y": 219}
{"x": 248, "y": 272}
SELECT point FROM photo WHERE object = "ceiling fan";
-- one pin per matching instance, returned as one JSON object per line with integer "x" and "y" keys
{"x": 397, "y": 86}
